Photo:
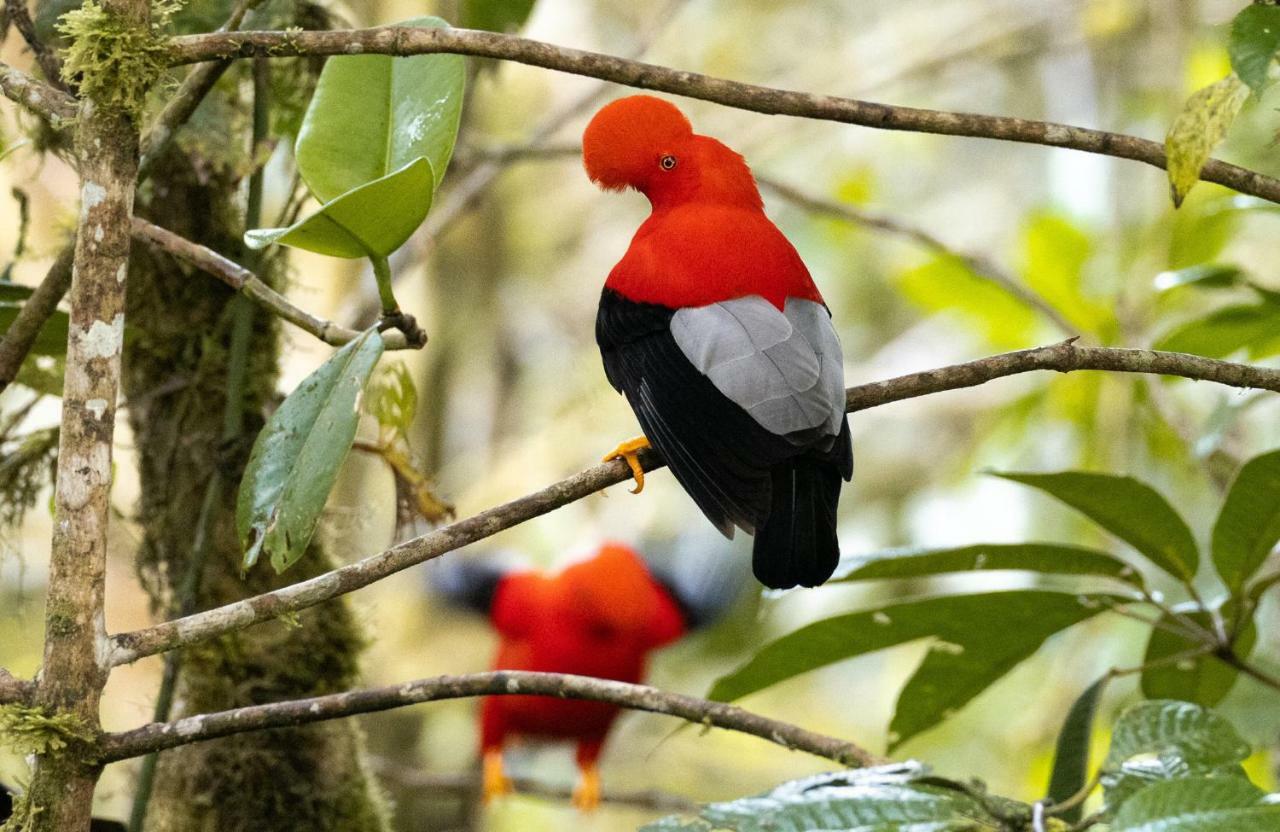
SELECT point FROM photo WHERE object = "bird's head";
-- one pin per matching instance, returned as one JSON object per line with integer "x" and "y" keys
{"x": 615, "y": 593}
{"x": 646, "y": 143}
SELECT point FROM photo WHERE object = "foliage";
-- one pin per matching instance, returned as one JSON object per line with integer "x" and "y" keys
{"x": 1254, "y": 42}
{"x": 980, "y": 637}
{"x": 1204, "y": 120}
{"x": 1172, "y": 767}
{"x": 297, "y": 456}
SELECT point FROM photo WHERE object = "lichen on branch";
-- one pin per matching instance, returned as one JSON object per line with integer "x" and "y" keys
{"x": 112, "y": 60}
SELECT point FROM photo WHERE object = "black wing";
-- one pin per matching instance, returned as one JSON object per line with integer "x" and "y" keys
{"x": 717, "y": 451}
{"x": 469, "y": 582}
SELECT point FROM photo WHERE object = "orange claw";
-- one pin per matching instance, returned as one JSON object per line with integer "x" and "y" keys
{"x": 495, "y": 782}
{"x": 586, "y": 795}
{"x": 629, "y": 451}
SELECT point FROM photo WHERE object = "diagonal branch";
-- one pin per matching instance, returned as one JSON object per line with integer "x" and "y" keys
{"x": 161, "y": 736}
{"x": 21, "y": 335}
{"x": 20, "y": 17}
{"x": 245, "y": 281}
{"x": 1063, "y": 357}
{"x": 14, "y": 690}
{"x": 398, "y": 40}
{"x": 48, "y": 102}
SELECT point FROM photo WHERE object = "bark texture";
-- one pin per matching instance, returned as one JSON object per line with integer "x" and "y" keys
{"x": 177, "y": 363}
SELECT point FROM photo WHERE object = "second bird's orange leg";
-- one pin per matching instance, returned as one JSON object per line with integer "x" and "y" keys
{"x": 629, "y": 451}
{"x": 586, "y": 795}
{"x": 495, "y": 782}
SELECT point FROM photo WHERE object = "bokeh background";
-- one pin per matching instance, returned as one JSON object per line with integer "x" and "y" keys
{"x": 505, "y": 277}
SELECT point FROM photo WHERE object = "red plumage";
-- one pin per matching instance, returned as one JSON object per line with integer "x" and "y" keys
{"x": 713, "y": 329}
{"x": 601, "y": 617}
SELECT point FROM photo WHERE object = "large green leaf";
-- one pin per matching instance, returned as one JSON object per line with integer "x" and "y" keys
{"x": 1056, "y": 251}
{"x": 1199, "y": 804}
{"x": 1251, "y": 327}
{"x": 374, "y": 114}
{"x": 1047, "y": 558}
{"x": 1071, "y": 754}
{"x": 972, "y": 654}
{"x": 373, "y": 220}
{"x": 1204, "y": 120}
{"x": 1248, "y": 526}
{"x": 1203, "y": 679}
{"x": 969, "y": 621}
{"x": 1131, "y": 510}
{"x": 296, "y": 457}
{"x": 1201, "y": 275}
{"x": 949, "y": 285}
{"x": 1254, "y": 41}
{"x": 1164, "y": 740}
{"x": 883, "y": 799}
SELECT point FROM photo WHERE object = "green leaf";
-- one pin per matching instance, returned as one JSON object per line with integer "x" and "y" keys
{"x": 881, "y": 799}
{"x": 1204, "y": 120}
{"x": 1199, "y": 804}
{"x": 1131, "y": 510}
{"x": 374, "y": 114}
{"x": 1248, "y": 526}
{"x": 1071, "y": 755}
{"x": 975, "y": 652}
{"x": 1205, "y": 679}
{"x": 1056, "y": 251}
{"x": 1202, "y": 276}
{"x": 1252, "y": 327}
{"x": 52, "y": 338}
{"x": 1047, "y": 558}
{"x": 956, "y": 619}
{"x": 392, "y": 398}
{"x": 1165, "y": 740}
{"x": 496, "y": 15}
{"x": 373, "y": 220}
{"x": 1254, "y": 41}
{"x": 947, "y": 284}
{"x": 296, "y": 457}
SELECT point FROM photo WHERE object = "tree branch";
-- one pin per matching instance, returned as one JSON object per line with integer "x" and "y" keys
{"x": 14, "y": 690}
{"x": 1065, "y": 357}
{"x": 50, "y": 103}
{"x": 161, "y": 736}
{"x": 245, "y": 281}
{"x": 22, "y": 333}
{"x": 980, "y": 266}
{"x": 20, "y": 17}
{"x": 396, "y": 40}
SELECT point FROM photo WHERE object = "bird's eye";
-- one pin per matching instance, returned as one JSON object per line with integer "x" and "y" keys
{"x": 668, "y": 162}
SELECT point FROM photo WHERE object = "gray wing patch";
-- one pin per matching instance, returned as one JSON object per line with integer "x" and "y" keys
{"x": 786, "y": 369}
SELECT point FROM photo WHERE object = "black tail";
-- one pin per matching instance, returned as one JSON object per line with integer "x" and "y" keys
{"x": 797, "y": 544}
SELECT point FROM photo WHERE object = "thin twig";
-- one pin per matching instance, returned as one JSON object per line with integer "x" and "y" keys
{"x": 14, "y": 690}
{"x": 1064, "y": 357}
{"x": 190, "y": 93}
{"x": 399, "y": 40}
{"x": 46, "y": 101}
{"x": 467, "y": 786}
{"x": 245, "y": 281}
{"x": 982, "y": 267}
{"x": 22, "y": 333}
{"x": 20, "y": 17}
{"x": 1229, "y": 656}
{"x": 160, "y": 736}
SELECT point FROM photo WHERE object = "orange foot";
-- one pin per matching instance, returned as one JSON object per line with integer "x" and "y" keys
{"x": 629, "y": 451}
{"x": 495, "y": 782}
{"x": 586, "y": 795}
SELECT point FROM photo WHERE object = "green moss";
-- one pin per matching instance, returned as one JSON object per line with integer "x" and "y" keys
{"x": 115, "y": 62}
{"x": 31, "y": 730}
{"x": 23, "y": 810}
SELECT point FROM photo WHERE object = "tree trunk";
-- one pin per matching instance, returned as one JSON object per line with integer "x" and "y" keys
{"x": 176, "y": 378}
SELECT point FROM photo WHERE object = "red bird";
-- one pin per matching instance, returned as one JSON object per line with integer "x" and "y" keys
{"x": 601, "y": 617}
{"x": 713, "y": 329}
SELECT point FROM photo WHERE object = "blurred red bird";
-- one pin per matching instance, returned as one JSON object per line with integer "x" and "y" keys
{"x": 601, "y": 617}
{"x": 713, "y": 329}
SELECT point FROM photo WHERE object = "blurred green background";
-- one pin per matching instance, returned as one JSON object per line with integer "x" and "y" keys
{"x": 505, "y": 277}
